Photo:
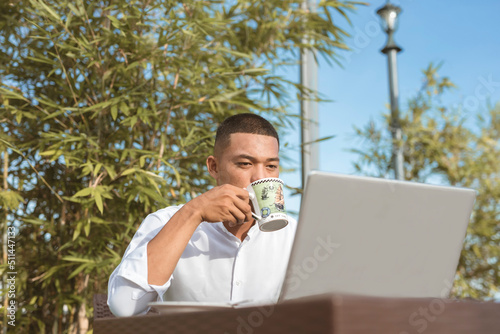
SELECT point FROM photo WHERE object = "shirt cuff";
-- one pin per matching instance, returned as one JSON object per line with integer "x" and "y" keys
{"x": 134, "y": 268}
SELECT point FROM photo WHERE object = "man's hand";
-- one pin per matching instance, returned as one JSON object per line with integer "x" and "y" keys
{"x": 226, "y": 203}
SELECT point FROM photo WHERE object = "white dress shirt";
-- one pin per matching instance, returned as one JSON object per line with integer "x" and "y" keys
{"x": 214, "y": 267}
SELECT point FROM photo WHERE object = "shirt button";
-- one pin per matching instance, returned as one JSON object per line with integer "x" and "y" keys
{"x": 238, "y": 283}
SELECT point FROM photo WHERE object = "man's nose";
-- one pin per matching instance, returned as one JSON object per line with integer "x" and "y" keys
{"x": 259, "y": 172}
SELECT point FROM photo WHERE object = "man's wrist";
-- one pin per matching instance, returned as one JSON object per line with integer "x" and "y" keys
{"x": 193, "y": 211}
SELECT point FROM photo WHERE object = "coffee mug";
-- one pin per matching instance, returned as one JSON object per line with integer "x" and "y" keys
{"x": 268, "y": 202}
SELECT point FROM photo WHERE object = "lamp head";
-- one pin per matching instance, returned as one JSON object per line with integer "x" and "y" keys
{"x": 389, "y": 15}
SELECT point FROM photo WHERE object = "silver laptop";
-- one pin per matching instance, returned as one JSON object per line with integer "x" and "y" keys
{"x": 377, "y": 237}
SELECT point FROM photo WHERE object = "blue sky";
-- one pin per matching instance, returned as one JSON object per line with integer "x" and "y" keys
{"x": 462, "y": 35}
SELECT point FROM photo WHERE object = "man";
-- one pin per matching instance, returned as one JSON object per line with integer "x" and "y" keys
{"x": 210, "y": 249}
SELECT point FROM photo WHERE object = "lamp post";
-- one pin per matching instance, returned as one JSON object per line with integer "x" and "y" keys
{"x": 389, "y": 15}
{"x": 309, "y": 106}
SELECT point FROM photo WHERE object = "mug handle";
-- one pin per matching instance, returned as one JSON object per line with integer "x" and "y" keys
{"x": 252, "y": 198}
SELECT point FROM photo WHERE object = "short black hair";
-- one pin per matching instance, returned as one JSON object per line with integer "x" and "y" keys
{"x": 242, "y": 123}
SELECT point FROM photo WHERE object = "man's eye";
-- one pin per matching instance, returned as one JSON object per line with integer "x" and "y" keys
{"x": 244, "y": 163}
{"x": 272, "y": 166}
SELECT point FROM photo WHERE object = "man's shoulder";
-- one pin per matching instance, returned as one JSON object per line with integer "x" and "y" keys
{"x": 155, "y": 221}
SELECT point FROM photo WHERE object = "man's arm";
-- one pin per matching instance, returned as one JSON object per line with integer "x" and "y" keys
{"x": 153, "y": 253}
{"x": 225, "y": 203}
{"x": 128, "y": 290}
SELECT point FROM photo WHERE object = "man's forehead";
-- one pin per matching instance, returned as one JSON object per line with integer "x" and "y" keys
{"x": 249, "y": 140}
{"x": 251, "y": 136}
{"x": 253, "y": 145}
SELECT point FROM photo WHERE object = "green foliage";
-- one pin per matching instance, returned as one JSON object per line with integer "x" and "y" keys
{"x": 439, "y": 144}
{"x": 108, "y": 112}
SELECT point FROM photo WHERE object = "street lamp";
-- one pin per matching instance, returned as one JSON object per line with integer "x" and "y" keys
{"x": 389, "y": 15}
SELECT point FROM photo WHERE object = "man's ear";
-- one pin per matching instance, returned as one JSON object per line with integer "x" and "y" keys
{"x": 213, "y": 167}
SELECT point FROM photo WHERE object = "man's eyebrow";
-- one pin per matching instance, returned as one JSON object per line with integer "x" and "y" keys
{"x": 249, "y": 157}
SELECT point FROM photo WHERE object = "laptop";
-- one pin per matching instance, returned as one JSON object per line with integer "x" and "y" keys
{"x": 377, "y": 237}
{"x": 369, "y": 236}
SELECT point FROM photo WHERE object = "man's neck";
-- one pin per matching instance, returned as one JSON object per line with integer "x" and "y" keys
{"x": 240, "y": 231}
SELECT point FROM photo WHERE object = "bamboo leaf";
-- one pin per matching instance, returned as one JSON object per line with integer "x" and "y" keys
{"x": 128, "y": 171}
{"x": 76, "y": 259}
{"x": 78, "y": 270}
{"x": 98, "y": 201}
{"x": 49, "y": 10}
{"x": 114, "y": 112}
{"x": 84, "y": 192}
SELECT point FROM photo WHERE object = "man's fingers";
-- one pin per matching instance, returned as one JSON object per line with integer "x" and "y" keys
{"x": 238, "y": 214}
{"x": 242, "y": 193}
{"x": 245, "y": 208}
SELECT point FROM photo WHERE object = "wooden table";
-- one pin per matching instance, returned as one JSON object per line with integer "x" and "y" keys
{"x": 324, "y": 314}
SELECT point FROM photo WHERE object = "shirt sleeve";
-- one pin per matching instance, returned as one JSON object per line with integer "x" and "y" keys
{"x": 128, "y": 289}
